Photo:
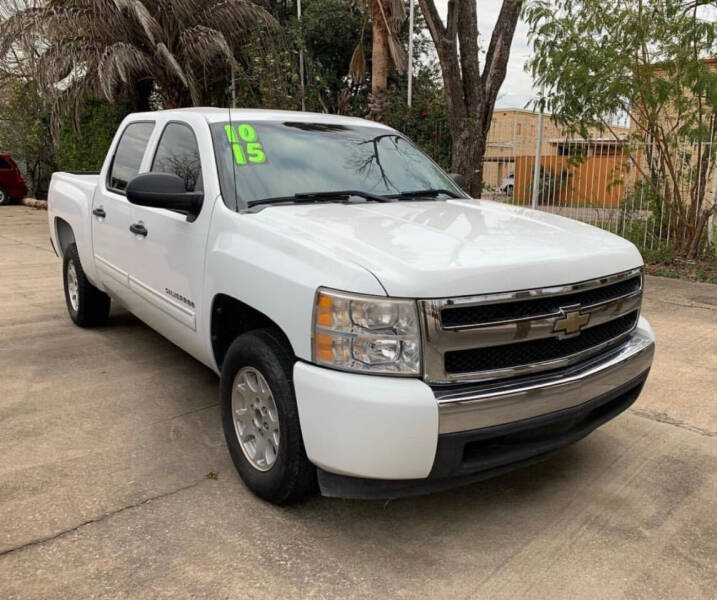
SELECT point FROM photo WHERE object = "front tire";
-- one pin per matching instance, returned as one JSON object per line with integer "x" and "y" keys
{"x": 261, "y": 420}
{"x": 4, "y": 197}
{"x": 88, "y": 306}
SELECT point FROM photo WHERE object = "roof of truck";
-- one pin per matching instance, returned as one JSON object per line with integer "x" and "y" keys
{"x": 214, "y": 115}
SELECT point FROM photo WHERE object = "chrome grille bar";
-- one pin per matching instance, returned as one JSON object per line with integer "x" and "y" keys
{"x": 439, "y": 340}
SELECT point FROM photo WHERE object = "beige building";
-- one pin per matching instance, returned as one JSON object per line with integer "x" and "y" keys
{"x": 514, "y": 134}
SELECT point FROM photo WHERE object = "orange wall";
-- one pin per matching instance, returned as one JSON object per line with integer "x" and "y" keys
{"x": 596, "y": 181}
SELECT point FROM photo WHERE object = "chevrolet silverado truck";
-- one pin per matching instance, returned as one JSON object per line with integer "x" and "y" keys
{"x": 377, "y": 333}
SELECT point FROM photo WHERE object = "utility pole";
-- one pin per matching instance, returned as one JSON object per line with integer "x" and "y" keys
{"x": 711, "y": 219}
{"x": 538, "y": 154}
{"x": 410, "y": 53}
{"x": 301, "y": 58}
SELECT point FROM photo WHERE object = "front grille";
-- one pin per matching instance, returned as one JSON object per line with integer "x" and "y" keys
{"x": 463, "y": 316}
{"x": 496, "y": 336}
{"x": 547, "y": 349}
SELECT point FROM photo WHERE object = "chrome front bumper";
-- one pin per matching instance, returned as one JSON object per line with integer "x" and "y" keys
{"x": 486, "y": 405}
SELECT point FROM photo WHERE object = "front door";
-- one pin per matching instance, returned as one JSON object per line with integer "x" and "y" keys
{"x": 167, "y": 269}
{"x": 112, "y": 213}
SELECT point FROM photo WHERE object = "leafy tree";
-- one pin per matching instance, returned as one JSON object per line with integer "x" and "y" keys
{"x": 83, "y": 146}
{"x": 470, "y": 93}
{"x": 25, "y": 131}
{"x": 329, "y": 34}
{"x": 425, "y": 122}
{"x": 645, "y": 60}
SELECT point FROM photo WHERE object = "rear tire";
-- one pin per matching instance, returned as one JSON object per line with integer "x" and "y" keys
{"x": 88, "y": 306}
{"x": 509, "y": 190}
{"x": 4, "y": 197}
{"x": 261, "y": 420}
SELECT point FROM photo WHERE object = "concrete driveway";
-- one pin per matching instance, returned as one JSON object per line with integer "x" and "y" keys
{"x": 107, "y": 438}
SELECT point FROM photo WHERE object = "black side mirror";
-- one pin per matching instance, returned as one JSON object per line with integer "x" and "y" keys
{"x": 164, "y": 190}
{"x": 460, "y": 181}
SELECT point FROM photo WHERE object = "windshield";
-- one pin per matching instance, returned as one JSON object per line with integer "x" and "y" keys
{"x": 270, "y": 159}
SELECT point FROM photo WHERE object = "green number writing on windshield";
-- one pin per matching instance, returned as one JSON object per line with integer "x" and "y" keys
{"x": 247, "y": 133}
{"x": 256, "y": 153}
{"x": 245, "y": 145}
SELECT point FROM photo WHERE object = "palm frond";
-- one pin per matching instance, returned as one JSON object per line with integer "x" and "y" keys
{"x": 181, "y": 11}
{"x": 139, "y": 11}
{"x": 76, "y": 47}
{"x": 68, "y": 100}
{"x": 357, "y": 66}
{"x": 57, "y": 62}
{"x": 396, "y": 13}
{"x": 172, "y": 63}
{"x": 203, "y": 44}
{"x": 239, "y": 16}
{"x": 16, "y": 28}
{"x": 398, "y": 54}
{"x": 116, "y": 66}
{"x": 193, "y": 91}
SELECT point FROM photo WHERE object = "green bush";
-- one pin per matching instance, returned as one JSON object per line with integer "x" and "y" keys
{"x": 425, "y": 122}
{"x": 84, "y": 148}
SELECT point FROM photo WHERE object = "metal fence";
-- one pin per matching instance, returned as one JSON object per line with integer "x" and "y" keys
{"x": 656, "y": 199}
{"x": 657, "y": 202}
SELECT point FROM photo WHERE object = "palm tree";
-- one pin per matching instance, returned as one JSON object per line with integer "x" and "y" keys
{"x": 386, "y": 17}
{"x": 82, "y": 48}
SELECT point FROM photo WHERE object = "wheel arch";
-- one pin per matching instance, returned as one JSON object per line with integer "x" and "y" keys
{"x": 231, "y": 318}
{"x": 65, "y": 235}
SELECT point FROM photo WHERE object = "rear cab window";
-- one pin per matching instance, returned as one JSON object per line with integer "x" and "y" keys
{"x": 128, "y": 155}
{"x": 4, "y": 164}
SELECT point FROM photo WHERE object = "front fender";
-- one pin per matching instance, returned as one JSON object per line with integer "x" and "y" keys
{"x": 276, "y": 272}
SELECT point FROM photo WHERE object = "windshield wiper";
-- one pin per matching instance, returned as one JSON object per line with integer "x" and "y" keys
{"x": 314, "y": 196}
{"x": 431, "y": 193}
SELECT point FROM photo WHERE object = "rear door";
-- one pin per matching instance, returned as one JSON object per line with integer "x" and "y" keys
{"x": 112, "y": 213}
{"x": 167, "y": 270}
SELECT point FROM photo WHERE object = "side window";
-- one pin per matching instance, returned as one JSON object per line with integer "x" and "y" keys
{"x": 128, "y": 155}
{"x": 4, "y": 164}
{"x": 178, "y": 154}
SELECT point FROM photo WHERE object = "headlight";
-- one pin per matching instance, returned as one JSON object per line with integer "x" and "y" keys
{"x": 366, "y": 333}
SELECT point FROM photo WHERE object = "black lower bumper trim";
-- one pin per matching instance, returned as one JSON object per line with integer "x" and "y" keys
{"x": 469, "y": 456}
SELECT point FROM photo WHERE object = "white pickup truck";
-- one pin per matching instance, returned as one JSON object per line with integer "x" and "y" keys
{"x": 376, "y": 331}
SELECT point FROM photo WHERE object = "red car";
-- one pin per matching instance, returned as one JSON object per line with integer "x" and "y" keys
{"x": 12, "y": 185}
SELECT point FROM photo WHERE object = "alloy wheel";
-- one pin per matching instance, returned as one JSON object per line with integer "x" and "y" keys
{"x": 256, "y": 419}
{"x": 73, "y": 288}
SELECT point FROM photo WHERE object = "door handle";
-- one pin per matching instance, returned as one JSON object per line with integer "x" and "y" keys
{"x": 138, "y": 229}
{"x": 99, "y": 212}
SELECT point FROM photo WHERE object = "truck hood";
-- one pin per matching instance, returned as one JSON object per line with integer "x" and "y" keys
{"x": 456, "y": 247}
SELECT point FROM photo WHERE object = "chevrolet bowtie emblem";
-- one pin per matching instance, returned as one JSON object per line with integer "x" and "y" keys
{"x": 571, "y": 322}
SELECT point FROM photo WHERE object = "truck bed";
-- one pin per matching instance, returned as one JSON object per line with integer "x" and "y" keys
{"x": 69, "y": 200}
{"x": 85, "y": 180}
